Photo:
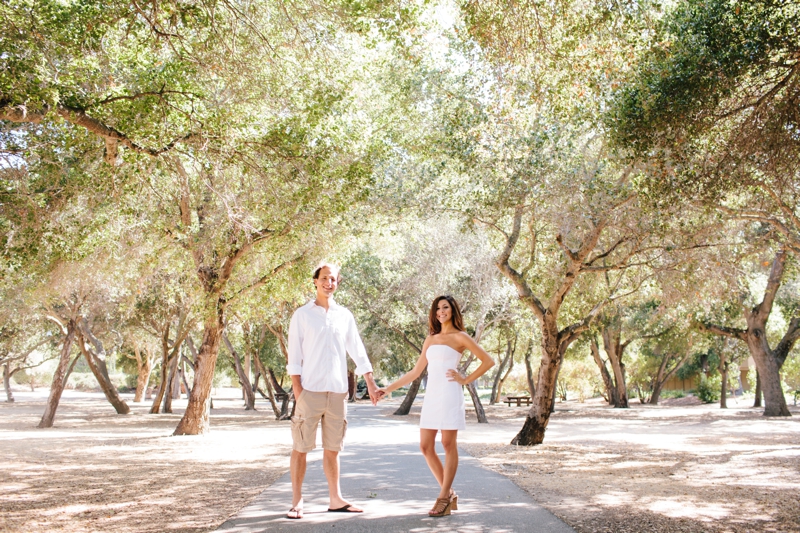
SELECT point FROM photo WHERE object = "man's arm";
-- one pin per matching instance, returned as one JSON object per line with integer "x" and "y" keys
{"x": 355, "y": 347}
{"x": 297, "y": 386}
{"x": 294, "y": 366}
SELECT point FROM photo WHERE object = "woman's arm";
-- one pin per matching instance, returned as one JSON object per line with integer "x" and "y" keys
{"x": 415, "y": 372}
{"x": 486, "y": 362}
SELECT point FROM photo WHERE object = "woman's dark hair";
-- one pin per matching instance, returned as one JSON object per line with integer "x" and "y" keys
{"x": 434, "y": 326}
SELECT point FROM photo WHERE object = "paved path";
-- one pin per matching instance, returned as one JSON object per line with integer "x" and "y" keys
{"x": 384, "y": 472}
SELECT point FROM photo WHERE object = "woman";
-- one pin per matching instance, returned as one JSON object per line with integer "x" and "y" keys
{"x": 443, "y": 407}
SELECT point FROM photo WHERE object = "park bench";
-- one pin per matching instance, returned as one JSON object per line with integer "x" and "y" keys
{"x": 518, "y": 399}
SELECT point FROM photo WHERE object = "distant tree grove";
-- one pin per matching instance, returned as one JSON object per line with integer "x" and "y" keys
{"x": 610, "y": 189}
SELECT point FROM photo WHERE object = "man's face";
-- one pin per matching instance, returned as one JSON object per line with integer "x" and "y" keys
{"x": 327, "y": 282}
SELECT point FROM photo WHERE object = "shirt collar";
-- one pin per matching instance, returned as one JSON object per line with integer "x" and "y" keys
{"x": 331, "y": 303}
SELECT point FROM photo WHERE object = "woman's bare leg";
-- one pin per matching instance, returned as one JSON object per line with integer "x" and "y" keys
{"x": 427, "y": 444}
{"x": 449, "y": 442}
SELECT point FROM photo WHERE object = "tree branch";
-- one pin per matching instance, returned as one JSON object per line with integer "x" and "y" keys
{"x": 733, "y": 333}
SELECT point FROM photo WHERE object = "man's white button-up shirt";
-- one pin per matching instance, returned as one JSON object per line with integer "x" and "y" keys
{"x": 318, "y": 343}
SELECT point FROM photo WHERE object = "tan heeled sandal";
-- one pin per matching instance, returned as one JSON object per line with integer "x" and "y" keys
{"x": 454, "y": 500}
{"x": 441, "y": 507}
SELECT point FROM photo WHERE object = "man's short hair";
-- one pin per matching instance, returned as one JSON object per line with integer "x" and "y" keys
{"x": 333, "y": 268}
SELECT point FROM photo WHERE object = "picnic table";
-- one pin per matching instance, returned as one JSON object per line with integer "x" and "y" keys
{"x": 518, "y": 399}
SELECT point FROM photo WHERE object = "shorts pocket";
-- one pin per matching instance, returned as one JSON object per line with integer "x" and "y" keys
{"x": 297, "y": 429}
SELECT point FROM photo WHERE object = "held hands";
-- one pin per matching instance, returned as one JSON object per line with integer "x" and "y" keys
{"x": 380, "y": 394}
{"x": 455, "y": 375}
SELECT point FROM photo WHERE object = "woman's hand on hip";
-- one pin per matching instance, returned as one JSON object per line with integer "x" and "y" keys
{"x": 455, "y": 375}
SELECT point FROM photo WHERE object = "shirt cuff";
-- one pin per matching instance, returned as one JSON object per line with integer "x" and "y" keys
{"x": 363, "y": 369}
{"x": 294, "y": 370}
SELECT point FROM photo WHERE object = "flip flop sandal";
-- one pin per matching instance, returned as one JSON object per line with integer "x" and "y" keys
{"x": 298, "y": 513}
{"x": 346, "y": 509}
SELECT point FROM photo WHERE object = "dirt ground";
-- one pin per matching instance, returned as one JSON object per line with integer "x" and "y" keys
{"x": 679, "y": 467}
{"x": 97, "y": 471}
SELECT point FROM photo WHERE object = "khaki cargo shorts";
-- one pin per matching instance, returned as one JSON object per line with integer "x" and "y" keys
{"x": 331, "y": 408}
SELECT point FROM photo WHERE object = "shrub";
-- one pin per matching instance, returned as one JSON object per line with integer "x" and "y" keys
{"x": 708, "y": 389}
{"x": 673, "y": 394}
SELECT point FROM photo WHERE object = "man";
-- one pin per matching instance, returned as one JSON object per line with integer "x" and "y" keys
{"x": 320, "y": 334}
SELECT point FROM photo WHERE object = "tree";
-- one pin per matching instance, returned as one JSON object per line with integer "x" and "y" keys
{"x": 20, "y": 337}
{"x": 768, "y": 360}
{"x": 172, "y": 103}
{"x": 711, "y": 107}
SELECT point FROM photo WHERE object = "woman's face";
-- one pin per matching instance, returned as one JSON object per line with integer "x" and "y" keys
{"x": 443, "y": 311}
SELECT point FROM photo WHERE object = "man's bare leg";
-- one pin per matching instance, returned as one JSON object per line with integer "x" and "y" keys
{"x": 297, "y": 467}
{"x": 330, "y": 464}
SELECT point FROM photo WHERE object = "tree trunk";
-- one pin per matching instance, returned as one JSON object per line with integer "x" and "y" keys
{"x": 476, "y": 401}
{"x": 247, "y": 372}
{"x": 57, "y": 388}
{"x": 185, "y": 382}
{"x": 144, "y": 369}
{"x": 611, "y": 390}
{"x": 768, "y": 361}
{"x": 351, "y": 386}
{"x": 71, "y": 368}
{"x": 244, "y": 380}
{"x": 498, "y": 376}
{"x": 663, "y": 376}
{"x": 529, "y": 369}
{"x": 768, "y": 368}
{"x": 176, "y": 383}
{"x": 7, "y": 383}
{"x": 97, "y": 364}
{"x": 270, "y": 389}
{"x": 757, "y": 402}
{"x": 196, "y": 419}
{"x": 533, "y": 430}
{"x": 723, "y": 370}
{"x": 162, "y": 386}
{"x": 612, "y": 337}
{"x": 413, "y": 389}
{"x": 172, "y": 380}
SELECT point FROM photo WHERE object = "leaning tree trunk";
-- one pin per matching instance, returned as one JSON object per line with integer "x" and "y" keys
{"x": 476, "y": 401}
{"x": 97, "y": 365}
{"x": 611, "y": 390}
{"x": 413, "y": 389}
{"x": 7, "y": 383}
{"x": 244, "y": 380}
{"x": 261, "y": 371}
{"x": 663, "y": 376}
{"x": 196, "y": 419}
{"x": 504, "y": 378}
{"x": 472, "y": 388}
{"x": 498, "y": 377}
{"x": 57, "y": 388}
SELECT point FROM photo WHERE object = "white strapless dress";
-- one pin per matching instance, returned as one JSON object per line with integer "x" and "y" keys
{"x": 443, "y": 406}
